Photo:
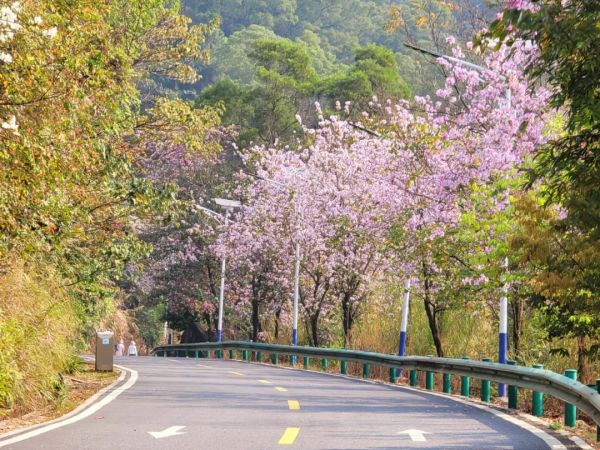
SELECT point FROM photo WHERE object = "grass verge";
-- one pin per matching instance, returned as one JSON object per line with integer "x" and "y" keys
{"x": 79, "y": 386}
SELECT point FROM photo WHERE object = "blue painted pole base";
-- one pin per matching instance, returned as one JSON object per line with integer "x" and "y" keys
{"x": 502, "y": 350}
{"x": 294, "y": 358}
{"x": 402, "y": 343}
{"x": 401, "y": 351}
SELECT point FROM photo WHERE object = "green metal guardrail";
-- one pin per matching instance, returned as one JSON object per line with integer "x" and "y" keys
{"x": 574, "y": 393}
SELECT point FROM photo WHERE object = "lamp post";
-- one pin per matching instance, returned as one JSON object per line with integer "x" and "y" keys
{"x": 228, "y": 205}
{"x": 404, "y": 323}
{"x": 502, "y": 328}
{"x": 296, "y": 297}
{"x": 298, "y": 259}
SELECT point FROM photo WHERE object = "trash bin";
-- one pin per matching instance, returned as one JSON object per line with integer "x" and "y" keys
{"x": 104, "y": 350}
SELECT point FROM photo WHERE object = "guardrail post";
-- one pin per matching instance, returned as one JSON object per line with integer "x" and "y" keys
{"x": 570, "y": 410}
{"x": 393, "y": 376}
{"x": 306, "y": 360}
{"x": 275, "y": 358}
{"x": 465, "y": 383}
{"x": 196, "y": 354}
{"x": 513, "y": 391}
{"x": 447, "y": 383}
{"x": 429, "y": 378}
{"x": 245, "y": 355}
{"x": 219, "y": 354}
{"x": 344, "y": 367}
{"x": 259, "y": 356}
{"x": 413, "y": 377}
{"x": 366, "y": 370}
{"x": 324, "y": 363}
{"x": 293, "y": 360}
{"x": 486, "y": 386}
{"x": 231, "y": 354}
{"x": 537, "y": 398}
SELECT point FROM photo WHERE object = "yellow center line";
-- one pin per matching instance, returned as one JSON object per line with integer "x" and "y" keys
{"x": 294, "y": 404}
{"x": 236, "y": 373}
{"x": 264, "y": 381}
{"x": 281, "y": 389}
{"x": 206, "y": 367}
{"x": 289, "y": 436}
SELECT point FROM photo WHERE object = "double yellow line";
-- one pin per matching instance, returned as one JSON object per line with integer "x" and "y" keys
{"x": 290, "y": 434}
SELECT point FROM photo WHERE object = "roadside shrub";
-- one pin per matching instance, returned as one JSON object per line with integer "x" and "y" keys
{"x": 37, "y": 321}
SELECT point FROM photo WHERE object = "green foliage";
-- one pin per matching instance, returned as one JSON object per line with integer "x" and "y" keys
{"x": 332, "y": 30}
{"x": 564, "y": 276}
{"x": 286, "y": 84}
{"x": 284, "y": 63}
{"x": 265, "y": 111}
{"x": 150, "y": 321}
{"x": 567, "y": 34}
{"x": 231, "y": 54}
{"x": 562, "y": 249}
{"x": 238, "y": 106}
{"x": 375, "y": 72}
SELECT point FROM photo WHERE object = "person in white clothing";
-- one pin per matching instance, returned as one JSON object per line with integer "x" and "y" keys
{"x": 132, "y": 350}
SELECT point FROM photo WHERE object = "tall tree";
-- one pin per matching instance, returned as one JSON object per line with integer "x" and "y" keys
{"x": 569, "y": 60}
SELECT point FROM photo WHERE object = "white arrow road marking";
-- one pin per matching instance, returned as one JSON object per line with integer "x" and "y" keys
{"x": 167, "y": 432}
{"x": 415, "y": 435}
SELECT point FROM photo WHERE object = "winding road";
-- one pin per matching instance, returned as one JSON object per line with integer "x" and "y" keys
{"x": 180, "y": 403}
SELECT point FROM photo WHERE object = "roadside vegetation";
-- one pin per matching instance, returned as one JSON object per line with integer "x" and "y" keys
{"x": 73, "y": 129}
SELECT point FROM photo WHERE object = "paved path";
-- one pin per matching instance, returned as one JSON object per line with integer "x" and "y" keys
{"x": 218, "y": 404}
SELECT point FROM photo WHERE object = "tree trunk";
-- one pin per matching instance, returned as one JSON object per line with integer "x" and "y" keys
{"x": 432, "y": 315}
{"x": 314, "y": 328}
{"x": 347, "y": 321}
{"x": 308, "y": 332}
{"x": 517, "y": 325}
{"x": 582, "y": 359}
{"x": 277, "y": 317}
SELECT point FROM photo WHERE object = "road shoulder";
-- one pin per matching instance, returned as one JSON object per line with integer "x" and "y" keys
{"x": 126, "y": 379}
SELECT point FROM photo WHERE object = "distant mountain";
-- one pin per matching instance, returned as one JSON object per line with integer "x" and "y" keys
{"x": 332, "y": 29}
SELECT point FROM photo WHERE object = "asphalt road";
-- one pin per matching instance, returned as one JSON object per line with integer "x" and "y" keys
{"x": 219, "y": 404}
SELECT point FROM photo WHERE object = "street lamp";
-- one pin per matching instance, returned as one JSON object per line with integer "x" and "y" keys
{"x": 502, "y": 327}
{"x": 298, "y": 258}
{"x": 228, "y": 205}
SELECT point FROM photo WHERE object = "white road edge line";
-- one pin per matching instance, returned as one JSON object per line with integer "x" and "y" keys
{"x": 89, "y": 407}
{"x": 551, "y": 441}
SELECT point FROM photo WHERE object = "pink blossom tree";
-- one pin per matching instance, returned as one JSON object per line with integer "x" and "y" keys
{"x": 341, "y": 192}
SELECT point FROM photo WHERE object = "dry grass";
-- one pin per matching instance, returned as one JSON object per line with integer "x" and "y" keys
{"x": 80, "y": 386}
{"x": 37, "y": 322}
